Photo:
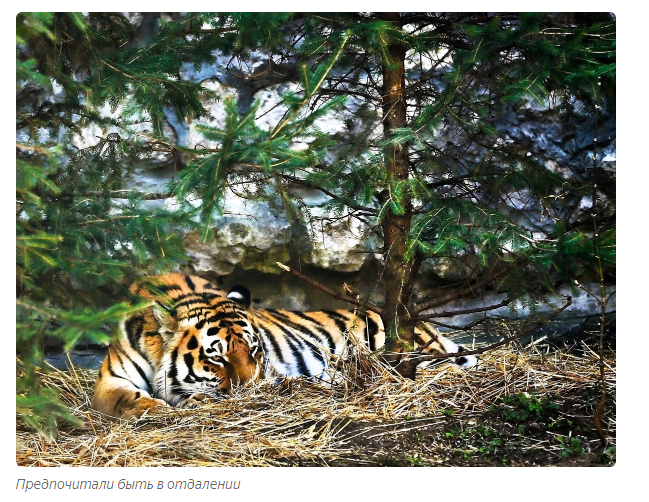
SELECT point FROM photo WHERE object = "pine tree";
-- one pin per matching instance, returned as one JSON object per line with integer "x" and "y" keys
{"x": 425, "y": 163}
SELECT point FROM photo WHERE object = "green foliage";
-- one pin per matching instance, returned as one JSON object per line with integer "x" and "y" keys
{"x": 77, "y": 248}
{"x": 524, "y": 407}
{"x": 608, "y": 456}
{"x": 415, "y": 462}
{"x": 571, "y": 446}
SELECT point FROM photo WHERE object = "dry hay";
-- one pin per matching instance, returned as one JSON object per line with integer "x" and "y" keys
{"x": 299, "y": 421}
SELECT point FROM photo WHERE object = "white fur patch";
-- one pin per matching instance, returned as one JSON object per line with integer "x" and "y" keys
{"x": 235, "y": 295}
{"x": 469, "y": 361}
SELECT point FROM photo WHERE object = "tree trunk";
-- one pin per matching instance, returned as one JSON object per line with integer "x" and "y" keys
{"x": 396, "y": 227}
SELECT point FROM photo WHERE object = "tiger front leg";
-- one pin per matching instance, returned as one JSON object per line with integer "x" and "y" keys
{"x": 125, "y": 402}
{"x": 122, "y": 389}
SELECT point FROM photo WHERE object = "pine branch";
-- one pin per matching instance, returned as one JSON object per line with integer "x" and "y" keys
{"x": 303, "y": 182}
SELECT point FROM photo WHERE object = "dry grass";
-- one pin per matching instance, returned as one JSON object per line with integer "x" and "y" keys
{"x": 300, "y": 422}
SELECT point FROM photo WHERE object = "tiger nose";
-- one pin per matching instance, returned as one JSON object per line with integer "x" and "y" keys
{"x": 246, "y": 369}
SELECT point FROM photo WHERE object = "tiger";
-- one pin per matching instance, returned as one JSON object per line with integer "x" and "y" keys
{"x": 194, "y": 342}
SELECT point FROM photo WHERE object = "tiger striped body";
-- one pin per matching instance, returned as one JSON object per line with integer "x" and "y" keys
{"x": 196, "y": 341}
{"x": 303, "y": 343}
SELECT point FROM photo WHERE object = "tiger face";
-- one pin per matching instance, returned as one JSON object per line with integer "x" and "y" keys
{"x": 209, "y": 354}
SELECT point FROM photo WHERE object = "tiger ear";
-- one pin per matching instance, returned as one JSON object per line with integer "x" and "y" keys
{"x": 153, "y": 288}
{"x": 240, "y": 295}
{"x": 164, "y": 318}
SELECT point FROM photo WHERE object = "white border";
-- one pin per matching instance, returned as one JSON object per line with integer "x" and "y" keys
{"x": 343, "y": 483}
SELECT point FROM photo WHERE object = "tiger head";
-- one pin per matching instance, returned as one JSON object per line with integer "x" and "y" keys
{"x": 211, "y": 344}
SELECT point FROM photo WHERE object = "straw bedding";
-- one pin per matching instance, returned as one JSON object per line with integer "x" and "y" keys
{"x": 375, "y": 418}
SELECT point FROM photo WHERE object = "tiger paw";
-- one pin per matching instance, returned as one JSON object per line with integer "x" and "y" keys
{"x": 144, "y": 405}
{"x": 196, "y": 400}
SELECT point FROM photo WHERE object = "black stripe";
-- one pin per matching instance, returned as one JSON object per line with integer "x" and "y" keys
{"x": 305, "y": 330}
{"x": 223, "y": 301}
{"x": 165, "y": 288}
{"x": 306, "y": 342}
{"x": 202, "y": 300}
{"x": 428, "y": 330}
{"x": 232, "y": 316}
{"x": 340, "y": 320}
{"x": 119, "y": 357}
{"x": 190, "y": 283}
{"x": 273, "y": 341}
{"x": 297, "y": 346}
{"x": 297, "y": 355}
{"x": 134, "y": 327}
{"x": 137, "y": 366}
{"x": 213, "y": 331}
{"x": 371, "y": 329}
{"x": 113, "y": 374}
{"x": 318, "y": 326}
{"x": 191, "y": 376}
{"x": 276, "y": 349}
{"x": 121, "y": 398}
{"x": 173, "y": 372}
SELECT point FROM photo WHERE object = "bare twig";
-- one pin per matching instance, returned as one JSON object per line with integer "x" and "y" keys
{"x": 460, "y": 312}
{"x": 338, "y": 296}
{"x": 471, "y": 288}
{"x": 603, "y": 298}
{"x": 124, "y": 194}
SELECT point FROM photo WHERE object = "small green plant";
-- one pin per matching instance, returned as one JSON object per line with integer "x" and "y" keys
{"x": 454, "y": 433}
{"x": 484, "y": 431}
{"x": 524, "y": 406}
{"x": 491, "y": 447}
{"x": 571, "y": 446}
{"x": 561, "y": 422}
{"x": 608, "y": 455}
{"x": 444, "y": 411}
{"x": 415, "y": 462}
{"x": 465, "y": 454}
